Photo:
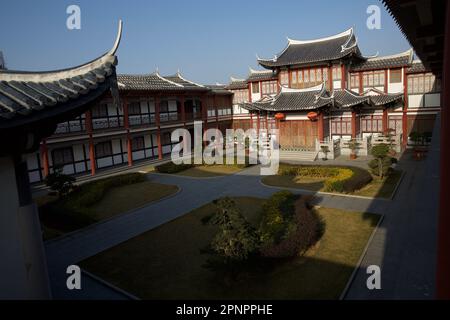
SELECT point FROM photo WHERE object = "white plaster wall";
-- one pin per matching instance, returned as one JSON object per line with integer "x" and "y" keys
{"x": 337, "y": 84}
{"x": 138, "y": 155}
{"x": 144, "y": 106}
{"x": 112, "y": 110}
{"x": 104, "y": 162}
{"x": 433, "y": 100}
{"x": 172, "y": 105}
{"x": 415, "y": 100}
{"x": 395, "y": 87}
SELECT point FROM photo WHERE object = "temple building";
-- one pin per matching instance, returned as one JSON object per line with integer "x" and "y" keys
{"x": 325, "y": 89}
{"x": 107, "y": 135}
{"x": 315, "y": 92}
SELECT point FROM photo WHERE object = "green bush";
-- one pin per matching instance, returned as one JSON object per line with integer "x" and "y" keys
{"x": 170, "y": 167}
{"x": 59, "y": 182}
{"x": 304, "y": 229}
{"x": 337, "y": 179}
{"x": 277, "y": 212}
{"x": 73, "y": 209}
{"x": 236, "y": 239}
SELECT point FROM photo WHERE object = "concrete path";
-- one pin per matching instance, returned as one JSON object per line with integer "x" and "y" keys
{"x": 406, "y": 243}
{"x": 194, "y": 193}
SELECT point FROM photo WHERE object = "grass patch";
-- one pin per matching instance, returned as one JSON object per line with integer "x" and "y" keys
{"x": 381, "y": 188}
{"x": 205, "y": 171}
{"x": 160, "y": 265}
{"x": 98, "y": 200}
{"x": 377, "y": 188}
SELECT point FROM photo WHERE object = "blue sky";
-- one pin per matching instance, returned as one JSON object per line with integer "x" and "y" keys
{"x": 207, "y": 40}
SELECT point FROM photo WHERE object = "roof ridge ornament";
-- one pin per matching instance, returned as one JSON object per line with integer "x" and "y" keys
{"x": 339, "y": 35}
{"x": 118, "y": 38}
{"x": 167, "y": 80}
{"x": 189, "y": 81}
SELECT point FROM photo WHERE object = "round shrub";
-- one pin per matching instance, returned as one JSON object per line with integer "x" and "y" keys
{"x": 302, "y": 231}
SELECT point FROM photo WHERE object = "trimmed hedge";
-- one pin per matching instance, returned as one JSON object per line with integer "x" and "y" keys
{"x": 338, "y": 178}
{"x": 302, "y": 227}
{"x": 72, "y": 208}
{"x": 170, "y": 167}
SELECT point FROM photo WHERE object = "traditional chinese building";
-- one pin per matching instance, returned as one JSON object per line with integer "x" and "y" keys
{"x": 107, "y": 135}
{"x": 325, "y": 89}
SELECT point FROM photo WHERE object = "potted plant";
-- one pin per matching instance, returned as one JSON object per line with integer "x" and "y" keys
{"x": 325, "y": 151}
{"x": 389, "y": 134}
{"x": 417, "y": 139}
{"x": 353, "y": 145}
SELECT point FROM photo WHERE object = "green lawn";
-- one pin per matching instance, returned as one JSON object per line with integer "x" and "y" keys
{"x": 205, "y": 171}
{"x": 166, "y": 263}
{"x": 378, "y": 188}
{"x": 60, "y": 217}
{"x": 381, "y": 188}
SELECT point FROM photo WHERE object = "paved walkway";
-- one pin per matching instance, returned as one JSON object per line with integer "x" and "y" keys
{"x": 194, "y": 193}
{"x": 405, "y": 244}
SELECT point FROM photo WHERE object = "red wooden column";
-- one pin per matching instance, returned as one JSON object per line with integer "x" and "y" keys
{"x": 126, "y": 123}
{"x": 44, "y": 157}
{"x": 183, "y": 111}
{"x": 443, "y": 260}
{"x": 289, "y": 77}
{"x": 204, "y": 116}
{"x": 158, "y": 125}
{"x": 343, "y": 77}
{"x": 405, "y": 108}
{"x": 216, "y": 111}
{"x": 385, "y": 120}
{"x": 330, "y": 77}
{"x": 320, "y": 128}
{"x": 386, "y": 81}
{"x": 88, "y": 121}
{"x": 249, "y": 92}
{"x": 353, "y": 124}
{"x": 361, "y": 88}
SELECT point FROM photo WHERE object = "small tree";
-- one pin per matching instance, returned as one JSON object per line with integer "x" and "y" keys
{"x": 353, "y": 145}
{"x": 59, "y": 182}
{"x": 325, "y": 151}
{"x": 236, "y": 239}
{"x": 382, "y": 162}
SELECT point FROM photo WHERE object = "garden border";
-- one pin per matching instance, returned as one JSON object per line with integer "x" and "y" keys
{"x": 361, "y": 258}
{"x": 110, "y": 285}
{"x": 111, "y": 218}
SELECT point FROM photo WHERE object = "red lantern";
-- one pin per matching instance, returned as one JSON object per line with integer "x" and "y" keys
{"x": 312, "y": 115}
{"x": 279, "y": 116}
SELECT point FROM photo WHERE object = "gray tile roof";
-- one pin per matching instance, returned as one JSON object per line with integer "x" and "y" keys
{"x": 219, "y": 89}
{"x": 395, "y": 61}
{"x": 382, "y": 99}
{"x": 147, "y": 82}
{"x": 301, "y": 100}
{"x": 256, "y": 75}
{"x": 157, "y": 82}
{"x": 236, "y": 84}
{"x": 345, "y": 98}
{"x": 28, "y": 96}
{"x": 294, "y": 100}
{"x": 320, "y": 50}
{"x": 417, "y": 67}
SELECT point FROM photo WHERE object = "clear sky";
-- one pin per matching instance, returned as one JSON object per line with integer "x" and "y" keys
{"x": 209, "y": 41}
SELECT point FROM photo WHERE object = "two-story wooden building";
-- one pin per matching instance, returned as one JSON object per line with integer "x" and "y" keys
{"x": 325, "y": 89}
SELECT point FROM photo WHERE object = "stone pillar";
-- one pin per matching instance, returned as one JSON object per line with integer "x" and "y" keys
{"x": 44, "y": 158}
{"x": 23, "y": 268}
{"x": 91, "y": 141}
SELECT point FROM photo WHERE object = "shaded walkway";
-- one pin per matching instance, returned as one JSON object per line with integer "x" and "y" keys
{"x": 405, "y": 246}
